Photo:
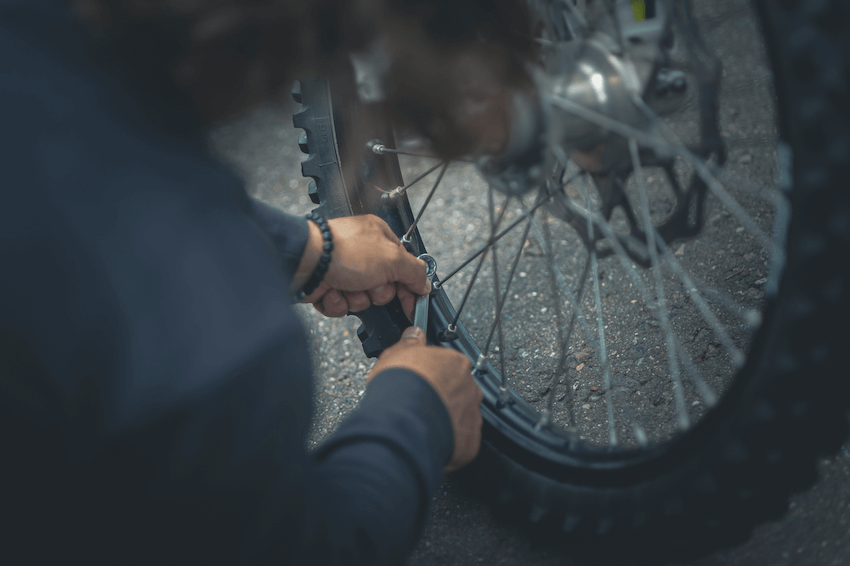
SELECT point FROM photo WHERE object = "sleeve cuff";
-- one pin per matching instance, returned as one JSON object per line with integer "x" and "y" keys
{"x": 402, "y": 410}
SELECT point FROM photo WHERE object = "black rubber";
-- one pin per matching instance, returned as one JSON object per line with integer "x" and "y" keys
{"x": 737, "y": 467}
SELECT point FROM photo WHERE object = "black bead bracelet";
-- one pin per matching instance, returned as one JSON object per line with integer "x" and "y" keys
{"x": 324, "y": 261}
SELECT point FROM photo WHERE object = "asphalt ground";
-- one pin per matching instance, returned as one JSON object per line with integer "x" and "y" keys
{"x": 814, "y": 532}
{"x": 816, "y": 528}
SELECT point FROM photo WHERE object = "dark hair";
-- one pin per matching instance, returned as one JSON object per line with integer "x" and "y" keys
{"x": 223, "y": 56}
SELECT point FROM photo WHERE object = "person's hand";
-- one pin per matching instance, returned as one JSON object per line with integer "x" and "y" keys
{"x": 450, "y": 374}
{"x": 368, "y": 266}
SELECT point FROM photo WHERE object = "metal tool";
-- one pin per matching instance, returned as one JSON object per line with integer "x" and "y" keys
{"x": 420, "y": 312}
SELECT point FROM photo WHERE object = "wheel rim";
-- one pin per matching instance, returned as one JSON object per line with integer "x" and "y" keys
{"x": 521, "y": 418}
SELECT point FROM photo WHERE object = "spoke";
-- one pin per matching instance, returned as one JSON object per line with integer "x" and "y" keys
{"x": 381, "y": 149}
{"x": 679, "y": 392}
{"x": 615, "y": 22}
{"x": 503, "y": 299}
{"x": 702, "y": 170}
{"x": 564, "y": 342}
{"x": 427, "y": 200}
{"x": 600, "y": 323}
{"x": 693, "y": 287}
{"x": 546, "y": 417}
{"x": 490, "y": 242}
{"x": 484, "y": 248}
{"x": 577, "y": 13}
{"x": 498, "y": 318}
{"x": 666, "y": 149}
{"x": 423, "y": 175}
{"x": 750, "y": 316}
{"x": 719, "y": 331}
{"x": 588, "y": 334}
{"x": 704, "y": 389}
{"x": 508, "y": 288}
{"x": 637, "y": 430}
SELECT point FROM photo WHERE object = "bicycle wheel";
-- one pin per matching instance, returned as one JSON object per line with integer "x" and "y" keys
{"x": 665, "y": 388}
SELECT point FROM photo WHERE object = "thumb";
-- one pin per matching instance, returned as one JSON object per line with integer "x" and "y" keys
{"x": 413, "y": 335}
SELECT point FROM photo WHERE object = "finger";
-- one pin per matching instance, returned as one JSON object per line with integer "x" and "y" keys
{"x": 413, "y": 273}
{"x": 318, "y": 307}
{"x": 413, "y": 335}
{"x": 408, "y": 301}
{"x": 334, "y": 304}
{"x": 383, "y": 294}
{"x": 358, "y": 300}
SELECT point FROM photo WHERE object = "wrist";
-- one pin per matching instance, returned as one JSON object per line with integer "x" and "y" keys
{"x": 309, "y": 259}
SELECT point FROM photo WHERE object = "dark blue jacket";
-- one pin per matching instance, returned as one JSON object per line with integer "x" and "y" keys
{"x": 155, "y": 384}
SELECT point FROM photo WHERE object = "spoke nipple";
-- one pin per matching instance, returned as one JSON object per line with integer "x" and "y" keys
{"x": 436, "y": 286}
{"x": 376, "y": 147}
{"x": 481, "y": 364}
{"x": 504, "y": 399}
{"x": 448, "y": 334}
{"x": 391, "y": 198}
{"x": 545, "y": 419}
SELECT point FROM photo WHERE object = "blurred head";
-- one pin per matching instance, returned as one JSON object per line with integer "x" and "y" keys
{"x": 224, "y": 57}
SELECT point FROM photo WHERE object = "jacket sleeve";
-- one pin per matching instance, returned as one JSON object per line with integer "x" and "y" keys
{"x": 288, "y": 233}
{"x": 184, "y": 393}
{"x": 371, "y": 484}
{"x": 163, "y": 383}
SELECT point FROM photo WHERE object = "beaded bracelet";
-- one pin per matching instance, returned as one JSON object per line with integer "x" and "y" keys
{"x": 324, "y": 261}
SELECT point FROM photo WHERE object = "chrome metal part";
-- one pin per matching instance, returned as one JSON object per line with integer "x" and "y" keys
{"x": 603, "y": 73}
{"x": 591, "y": 76}
{"x": 377, "y": 147}
{"x": 430, "y": 264}
{"x": 449, "y": 334}
{"x": 420, "y": 312}
{"x": 392, "y": 198}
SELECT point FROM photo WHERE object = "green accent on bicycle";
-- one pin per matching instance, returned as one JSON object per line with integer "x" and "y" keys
{"x": 639, "y": 9}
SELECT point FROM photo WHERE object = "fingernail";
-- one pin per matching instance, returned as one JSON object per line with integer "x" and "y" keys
{"x": 336, "y": 300}
{"x": 378, "y": 289}
{"x": 411, "y": 332}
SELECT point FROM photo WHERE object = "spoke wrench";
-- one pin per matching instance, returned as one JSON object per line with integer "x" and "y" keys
{"x": 420, "y": 312}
